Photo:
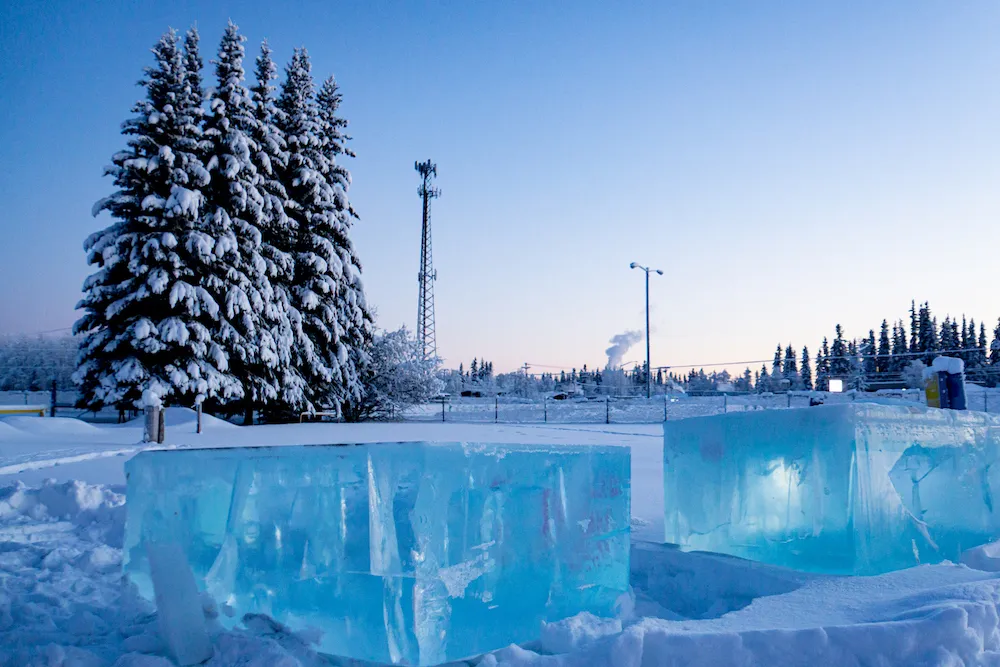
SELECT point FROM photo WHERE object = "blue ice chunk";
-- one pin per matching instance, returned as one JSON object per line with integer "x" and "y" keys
{"x": 406, "y": 553}
{"x": 858, "y": 488}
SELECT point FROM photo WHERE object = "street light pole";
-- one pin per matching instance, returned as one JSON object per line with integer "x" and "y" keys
{"x": 649, "y": 366}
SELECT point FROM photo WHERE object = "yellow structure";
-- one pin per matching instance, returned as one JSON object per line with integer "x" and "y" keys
{"x": 932, "y": 390}
{"x": 27, "y": 410}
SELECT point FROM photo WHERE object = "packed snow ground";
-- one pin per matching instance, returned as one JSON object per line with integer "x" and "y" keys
{"x": 62, "y": 602}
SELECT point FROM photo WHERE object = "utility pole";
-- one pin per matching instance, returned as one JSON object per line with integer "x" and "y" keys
{"x": 426, "y": 335}
{"x": 649, "y": 367}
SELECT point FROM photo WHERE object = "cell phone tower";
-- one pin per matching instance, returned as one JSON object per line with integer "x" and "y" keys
{"x": 426, "y": 336}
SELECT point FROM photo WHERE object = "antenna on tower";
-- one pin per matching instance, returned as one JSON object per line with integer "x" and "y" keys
{"x": 426, "y": 337}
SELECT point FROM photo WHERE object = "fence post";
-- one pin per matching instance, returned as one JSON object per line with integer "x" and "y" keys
{"x": 725, "y": 403}
{"x": 789, "y": 395}
{"x": 52, "y": 407}
{"x": 545, "y": 409}
{"x": 496, "y": 410}
{"x": 607, "y": 410}
{"x": 986, "y": 397}
{"x": 152, "y": 425}
{"x": 198, "y": 430}
{"x": 442, "y": 409}
{"x": 664, "y": 407}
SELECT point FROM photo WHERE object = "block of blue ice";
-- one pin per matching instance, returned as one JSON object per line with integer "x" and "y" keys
{"x": 858, "y": 488}
{"x": 406, "y": 553}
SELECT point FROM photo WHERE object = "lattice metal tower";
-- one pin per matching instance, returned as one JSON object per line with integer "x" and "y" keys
{"x": 426, "y": 336}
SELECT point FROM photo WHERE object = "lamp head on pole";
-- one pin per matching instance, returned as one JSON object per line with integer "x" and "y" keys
{"x": 633, "y": 265}
{"x": 659, "y": 272}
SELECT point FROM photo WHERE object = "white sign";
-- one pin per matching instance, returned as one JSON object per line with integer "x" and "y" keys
{"x": 836, "y": 385}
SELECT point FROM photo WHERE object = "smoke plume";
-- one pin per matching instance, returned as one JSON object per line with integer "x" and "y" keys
{"x": 620, "y": 344}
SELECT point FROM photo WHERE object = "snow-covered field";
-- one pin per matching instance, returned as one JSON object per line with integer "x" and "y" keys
{"x": 62, "y": 603}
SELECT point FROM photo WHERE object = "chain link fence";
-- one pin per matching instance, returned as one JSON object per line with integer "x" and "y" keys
{"x": 640, "y": 410}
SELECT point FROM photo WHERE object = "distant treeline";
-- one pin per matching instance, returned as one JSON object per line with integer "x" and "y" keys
{"x": 31, "y": 363}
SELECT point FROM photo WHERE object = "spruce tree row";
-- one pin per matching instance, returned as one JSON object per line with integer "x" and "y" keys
{"x": 889, "y": 354}
{"x": 227, "y": 275}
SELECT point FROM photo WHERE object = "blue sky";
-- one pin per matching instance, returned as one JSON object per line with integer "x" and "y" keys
{"x": 788, "y": 165}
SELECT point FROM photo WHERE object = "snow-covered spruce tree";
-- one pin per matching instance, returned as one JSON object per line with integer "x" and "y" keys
{"x": 884, "y": 349}
{"x": 253, "y": 326}
{"x": 326, "y": 275}
{"x": 277, "y": 233}
{"x": 147, "y": 321}
{"x": 354, "y": 315}
{"x": 806, "y": 370}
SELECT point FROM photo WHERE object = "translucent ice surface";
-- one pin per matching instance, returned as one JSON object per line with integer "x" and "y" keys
{"x": 408, "y": 553}
{"x": 857, "y": 488}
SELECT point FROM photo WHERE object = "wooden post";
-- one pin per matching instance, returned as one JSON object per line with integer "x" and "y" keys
{"x": 545, "y": 409}
{"x": 52, "y": 407}
{"x": 442, "y": 409}
{"x": 664, "y": 407}
{"x": 607, "y": 410}
{"x": 151, "y": 430}
{"x": 161, "y": 432}
{"x": 789, "y": 395}
{"x": 496, "y": 410}
{"x": 725, "y": 403}
{"x": 198, "y": 429}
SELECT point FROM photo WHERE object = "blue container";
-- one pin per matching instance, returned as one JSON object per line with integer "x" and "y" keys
{"x": 956, "y": 391}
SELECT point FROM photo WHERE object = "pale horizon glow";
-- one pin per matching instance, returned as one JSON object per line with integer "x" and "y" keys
{"x": 787, "y": 165}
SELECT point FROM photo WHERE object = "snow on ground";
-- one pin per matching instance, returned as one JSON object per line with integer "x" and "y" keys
{"x": 62, "y": 602}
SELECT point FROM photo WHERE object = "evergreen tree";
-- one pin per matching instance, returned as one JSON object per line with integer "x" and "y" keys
{"x": 914, "y": 328}
{"x": 898, "y": 361}
{"x": 763, "y": 380}
{"x": 995, "y": 346}
{"x": 964, "y": 340}
{"x": 927, "y": 333}
{"x": 790, "y": 370}
{"x": 806, "y": 371}
{"x": 354, "y": 315}
{"x": 277, "y": 236}
{"x": 326, "y": 278}
{"x": 840, "y": 365}
{"x": 776, "y": 373}
{"x": 823, "y": 367}
{"x": 147, "y": 321}
{"x": 745, "y": 383}
{"x": 945, "y": 336}
{"x": 884, "y": 351}
{"x": 869, "y": 361}
{"x": 250, "y": 324}
{"x": 857, "y": 378}
{"x": 982, "y": 344}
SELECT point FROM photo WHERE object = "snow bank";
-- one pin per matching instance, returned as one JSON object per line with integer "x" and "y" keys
{"x": 188, "y": 418}
{"x": 51, "y": 426}
{"x": 8, "y": 432}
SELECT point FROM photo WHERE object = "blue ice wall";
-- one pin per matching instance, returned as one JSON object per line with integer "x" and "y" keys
{"x": 407, "y": 553}
{"x": 858, "y": 488}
